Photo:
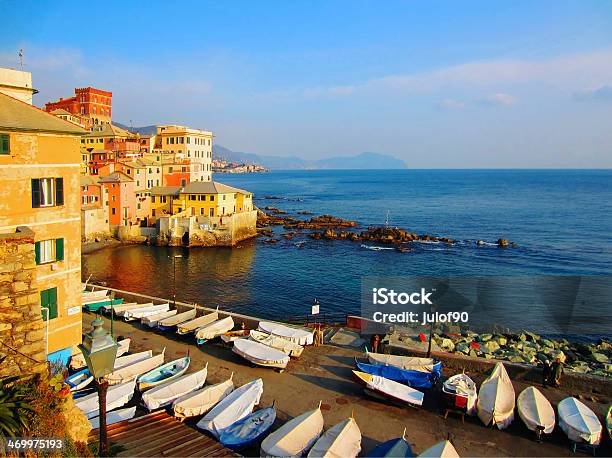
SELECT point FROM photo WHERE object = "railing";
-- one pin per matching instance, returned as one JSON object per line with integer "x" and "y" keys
{"x": 329, "y": 318}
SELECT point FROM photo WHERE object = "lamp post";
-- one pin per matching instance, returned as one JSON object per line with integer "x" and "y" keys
{"x": 100, "y": 350}
{"x": 174, "y": 278}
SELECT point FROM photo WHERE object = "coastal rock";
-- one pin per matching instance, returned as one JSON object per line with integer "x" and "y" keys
{"x": 599, "y": 357}
{"x": 275, "y": 210}
{"x": 321, "y": 222}
{"x": 502, "y": 243}
{"x": 491, "y": 345}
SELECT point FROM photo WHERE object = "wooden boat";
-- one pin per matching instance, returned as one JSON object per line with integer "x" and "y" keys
{"x": 201, "y": 401}
{"x": 116, "y": 396}
{"x": 260, "y": 354}
{"x": 84, "y": 392}
{"x": 153, "y": 320}
{"x": 131, "y": 359}
{"x": 107, "y": 308}
{"x": 395, "y": 448}
{"x": 139, "y": 313}
{"x": 77, "y": 360}
{"x": 233, "y": 336}
{"x": 246, "y": 432}
{"x": 214, "y": 329}
{"x": 496, "y": 399}
{"x": 460, "y": 393}
{"x": 171, "y": 322}
{"x": 95, "y": 304}
{"x": 414, "y": 379}
{"x": 132, "y": 371}
{"x": 389, "y": 389}
{"x": 191, "y": 326}
{"x": 299, "y": 336}
{"x": 296, "y": 436}
{"x": 86, "y": 296}
{"x": 578, "y": 422}
{"x": 410, "y": 363}
{"x": 79, "y": 380}
{"x": 442, "y": 449}
{"x": 163, "y": 373}
{"x": 279, "y": 343}
{"x": 343, "y": 439}
{"x": 167, "y": 393}
{"x": 535, "y": 411}
{"x": 119, "y": 310}
{"x": 114, "y": 416}
{"x": 235, "y": 406}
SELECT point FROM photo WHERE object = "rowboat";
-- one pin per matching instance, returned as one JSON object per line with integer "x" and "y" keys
{"x": 78, "y": 360}
{"x": 136, "y": 314}
{"x": 163, "y": 373}
{"x": 398, "y": 447}
{"x": 235, "y": 406}
{"x": 97, "y": 294}
{"x": 132, "y": 371}
{"x": 249, "y": 430}
{"x": 114, "y": 416}
{"x": 578, "y": 422}
{"x": 388, "y": 388}
{"x": 95, "y": 304}
{"x": 296, "y": 436}
{"x": 410, "y": 363}
{"x": 442, "y": 449}
{"x": 79, "y": 380}
{"x": 260, "y": 354}
{"x": 343, "y": 439}
{"x": 201, "y": 401}
{"x": 119, "y": 310}
{"x": 233, "y": 336}
{"x": 167, "y": 393}
{"x": 460, "y": 393}
{"x": 280, "y": 343}
{"x": 299, "y": 336}
{"x": 193, "y": 325}
{"x": 414, "y": 379}
{"x": 84, "y": 392}
{"x": 107, "y": 308}
{"x": 535, "y": 411}
{"x": 214, "y": 329}
{"x": 131, "y": 359}
{"x": 116, "y": 396}
{"x": 496, "y": 398}
{"x": 171, "y": 322}
{"x": 153, "y": 320}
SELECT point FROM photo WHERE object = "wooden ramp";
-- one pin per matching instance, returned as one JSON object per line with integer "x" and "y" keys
{"x": 159, "y": 434}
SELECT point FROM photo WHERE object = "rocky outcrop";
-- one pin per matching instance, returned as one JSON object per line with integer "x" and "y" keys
{"x": 321, "y": 222}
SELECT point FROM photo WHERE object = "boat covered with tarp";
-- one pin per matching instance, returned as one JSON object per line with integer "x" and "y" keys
{"x": 193, "y": 325}
{"x": 536, "y": 411}
{"x": 411, "y": 363}
{"x": 389, "y": 389}
{"x": 214, "y": 329}
{"x": 171, "y": 322}
{"x": 152, "y": 320}
{"x": 141, "y": 312}
{"x": 249, "y": 430}
{"x": 341, "y": 440}
{"x": 578, "y": 422}
{"x": 166, "y": 394}
{"x": 201, "y": 401}
{"x": 279, "y": 343}
{"x": 414, "y": 379}
{"x": 116, "y": 396}
{"x": 300, "y": 336}
{"x": 442, "y": 449}
{"x": 460, "y": 393}
{"x": 132, "y": 371}
{"x": 77, "y": 360}
{"x": 394, "y": 448}
{"x": 114, "y": 416}
{"x": 496, "y": 398}
{"x": 260, "y": 354}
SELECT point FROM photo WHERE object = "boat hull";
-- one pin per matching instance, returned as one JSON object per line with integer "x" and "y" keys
{"x": 97, "y": 305}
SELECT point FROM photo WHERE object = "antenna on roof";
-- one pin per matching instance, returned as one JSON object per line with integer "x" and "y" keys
{"x": 21, "y": 58}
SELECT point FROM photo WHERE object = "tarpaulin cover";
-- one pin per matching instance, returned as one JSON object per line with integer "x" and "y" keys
{"x": 414, "y": 379}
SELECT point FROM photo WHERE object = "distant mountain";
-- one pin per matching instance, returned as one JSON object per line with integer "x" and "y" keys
{"x": 145, "y": 130}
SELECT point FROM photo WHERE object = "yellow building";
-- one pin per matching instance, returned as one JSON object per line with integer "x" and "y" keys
{"x": 185, "y": 143}
{"x": 39, "y": 189}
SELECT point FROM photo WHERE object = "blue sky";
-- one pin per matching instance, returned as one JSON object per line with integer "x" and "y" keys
{"x": 438, "y": 84}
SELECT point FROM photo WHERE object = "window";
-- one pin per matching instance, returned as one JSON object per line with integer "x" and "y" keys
{"x": 113, "y": 210}
{"x": 212, "y": 198}
{"x": 152, "y": 199}
{"x": 47, "y": 192}
{"x": 183, "y": 182}
{"x": 153, "y": 212}
{"x": 5, "y": 144}
{"x": 48, "y": 301}
{"x": 192, "y": 197}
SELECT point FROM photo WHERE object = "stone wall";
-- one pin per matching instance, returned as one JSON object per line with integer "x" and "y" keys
{"x": 22, "y": 330}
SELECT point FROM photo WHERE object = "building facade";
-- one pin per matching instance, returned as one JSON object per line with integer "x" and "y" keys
{"x": 118, "y": 189}
{"x": 88, "y": 102}
{"x": 17, "y": 84}
{"x": 192, "y": 145}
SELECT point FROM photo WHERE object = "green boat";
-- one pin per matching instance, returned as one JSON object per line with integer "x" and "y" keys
{"x": 97, "y": 305}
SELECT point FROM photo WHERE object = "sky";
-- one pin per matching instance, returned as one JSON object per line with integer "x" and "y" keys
{"x": 439, "y": 84}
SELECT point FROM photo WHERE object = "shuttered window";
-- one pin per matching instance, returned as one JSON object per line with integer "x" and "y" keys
{"x": 47, "y": 192}
{"x": 5, "y": 144}
{"x": 48, "y": 300}
{"x": 47, "y": 251}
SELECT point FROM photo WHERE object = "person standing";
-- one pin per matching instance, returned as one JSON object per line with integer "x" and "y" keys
{"x": 557, "y": 371}
{"x": 546, "y": 370}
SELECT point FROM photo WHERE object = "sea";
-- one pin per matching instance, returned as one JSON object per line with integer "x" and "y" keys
{"x": 557, "y": 275}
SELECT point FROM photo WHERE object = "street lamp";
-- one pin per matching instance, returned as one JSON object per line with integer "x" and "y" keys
{"x": 100, "y": 350}
{"x": 174, "y": 278}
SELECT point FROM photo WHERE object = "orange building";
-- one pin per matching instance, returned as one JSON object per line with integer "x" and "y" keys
{"x": 88, "y": 102}
{"x": 121, "y": 199}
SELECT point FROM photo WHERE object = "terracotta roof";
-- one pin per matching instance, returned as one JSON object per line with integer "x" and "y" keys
{"x": 20, "y": 116}
{"x": 209, "y": 187}
{"x": 164, "y": 190}
{"x": 88, "y": 180}
{"x": 116, "y": 177}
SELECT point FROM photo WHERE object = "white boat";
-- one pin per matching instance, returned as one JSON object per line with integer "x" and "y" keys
{"x": 87, "y": 296}
{"x": 342, "y": 440}
{"x": 232, "y": 408}
{"x": 177, "y": 319}
{"x": 299, "y": 336}
{"x": 214, "y": 329}
{"x": 296, "y": 436}
{"x": 260, "y": 354}
{"x": 201, "y": 401}
{"x": 131, "y": 359}
{"x": 462, "y": 386}
{"x": 132, "y": 371}
{"x": 535, "y": 411}
{"x": 389, "y": 388}
{"x": 279, "y": 343}
{"x": 578, "y": 422}
{"x": 114, "y": 416}
{"x": 139, "y": 313}
{"x": 77, "y": 360}
{"x": 164, "y": 373}
{"x": 410, "y": 363}
{"x": 233, "y": 336}
{"x": 193, "y": 325}
{"x": 152, "y": 320}
{"x": 116, "y": 396}
{"x": 442, "y": 449}
{"x": 107, "y": 308}
{"x": 496, "y": 399}
{"x": 167, "y": 393}
{"x": 120, "y": 309}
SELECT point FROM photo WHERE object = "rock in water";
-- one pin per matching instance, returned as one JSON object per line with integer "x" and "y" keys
{"x": 502, "y": 243}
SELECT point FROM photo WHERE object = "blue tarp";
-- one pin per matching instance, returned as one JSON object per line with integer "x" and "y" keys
{"x": 413, "y": 379}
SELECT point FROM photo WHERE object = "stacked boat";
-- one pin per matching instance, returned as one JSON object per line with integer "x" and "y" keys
{"x": 94, "y": 300}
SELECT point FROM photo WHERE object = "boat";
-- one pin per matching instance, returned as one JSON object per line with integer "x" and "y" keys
{"x": 396, "y": 448}
{"x": 260, "y": 354}
{"x": 119, "y": 310}
{"x": 214, "y": 329}
{"x": 442, "y": 449}
{"x": 172, "y": 321}
{"x": 193, "y": 325}
{"x": 375, "y": 248}
{"x": 279, "y": 343}
{"x": 163, "y": 373}
{"x": 246, "y": 432}
{"x": 79, "y": 380}
{"x": 535, "y": 411}
{"x": 414, "y": 379}
{"x": 167, "y": 393}
{"x": 131, "y": 359}
{"x": 201, "y": 401}
{"x": 114, "y": 416}
{"x": 132, "y": 371}
{"x": 235, "y": 406}
{"x": 77, "y": 360}
{"x": 107, "y": 308}
{"x": 578, "y": 422}
{"x": 410, "y": 363}
{"x": 84, "y": 392}
{"x": 139, "y": 313}
{"x": 153, "y": 320}
{"x": 97, "y": 294}
{"x": 460, "y": 393}
{"x": 496, "y": 398}
{"x": 296, "y": 436}
{"x": 233, "y": 336}
{"x": 116, "y": 396}
{"x": 299, "y": 336}
{"x": 95, "y": 304}
{"x": 341, "y": 440}
{"x": 389, "y": 389}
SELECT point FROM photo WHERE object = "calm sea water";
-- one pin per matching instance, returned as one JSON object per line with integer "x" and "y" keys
{"x": 560, "y": 219}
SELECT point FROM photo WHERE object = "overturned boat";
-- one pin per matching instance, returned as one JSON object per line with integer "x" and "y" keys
{"x": 578, "y": 422}
{"x": 343, "y": 439}
{"x": 535, "y": 411}
{"x": 260, "y": 354}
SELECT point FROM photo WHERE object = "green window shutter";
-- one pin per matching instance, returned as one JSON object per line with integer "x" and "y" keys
{"x": 59, "y": 249}
{"x": 37, "y": 252}
{"x": 35, "y": 193}
{"x": 53, "y": 303}
{"x": 44, "y": 302}
{"x": 59, "y": 191}
{"x": 5, "y": 144}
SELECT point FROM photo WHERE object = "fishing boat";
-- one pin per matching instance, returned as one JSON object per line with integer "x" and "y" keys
{"x": 95, "y": 304}
{"x": 79, "y": 380}
{"x": 260, "y": 354}
{"x": 97, "y": 294}
{"x": 119, "y": 310}
{"x": 116, "y": 396}
{"x": 410, "y": 363}
{"x": 132, "y": 371}
{"x": 395, "y": 448}
{"x": 535, "y": 411}
{"x": 114, "y": 416}
{"x": 163, "y": 373}
{"x": 280, "y": 343}
{"x": 246, "y": 432}
{"x": 77, "y": 360}
{"x": 496, "y": 399}
{"x": 299, "y": 336}
{"x": 139, "y": 313}
{"x": 442, "y": 449}
{"x": 171, "y": 322}
{"x": 191, "y": 326}
{"x": 201, "y": 401}
{"x": 107, "y": 308}
{"x": 169, "y": 392}
{"x": 296, "y": 436}
{"x": 235, "y": 406}
{"x": 343, "y": 439}
{"x": 214, "y": 329}
{"x": 414, "y": 379}
{"x": 131, "y": 359}
{"x": 84, "y": 392}
{"x": 460, "y": 393}
{"x": 153, "y": 320}
{"x": 578, "y": 422}
{"x": 233, "y": 336}
{"x": 389, "y": 389}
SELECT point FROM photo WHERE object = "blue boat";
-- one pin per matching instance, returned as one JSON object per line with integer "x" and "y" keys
{"x": 95, "y": 306}
{"x": 163, "y": 373}
{"x": 79, "y": 380}
{"x": 249, "y": 430}
{"x": 398, "y": 447}
{"x": 85, "y": 392}
{"x": 413, "y": 379}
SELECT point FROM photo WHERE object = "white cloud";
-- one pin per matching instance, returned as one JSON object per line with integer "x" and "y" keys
{"x": 602, "y": 93}
{"x": 499, "y": 98}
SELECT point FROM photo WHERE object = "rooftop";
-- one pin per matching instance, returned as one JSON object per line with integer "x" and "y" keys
{"x": 116, "y": 177}
{"x": 109, "y": 130}
{"x": 88, "y": 180}
{"x": 210, "y": 187}
{"x": 165, "y": 190}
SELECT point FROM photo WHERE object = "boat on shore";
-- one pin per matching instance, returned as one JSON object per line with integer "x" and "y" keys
{"x": 214, "y": 329}
{"x": 96, "y": 294}
{"x": 342, "y": 439}
{"x": 141, "y": 312}
{"x": 389, "y": 389}
{"x": 132, "y": 371}
{"x": 578, "y": 422}
{"x": 414, "y": 379}
{"x": 410, "y": 363}
{"x": 394, "y": 448}
{"x": 166, "y": 394}
{"x": 79, "y": 380}
{"x": 191, "y": 326}
{"x": 201, "y": 401}
{"x": 233, "y": 336}
{"x": 114, "y": 416}
{"x": 442, "y": 449}
{"x": 94, "y": 305}
{"x": 119, "y": 310}
{"x": 116, "y": 396}
{"x": 496, "y": 399}
{"x": 153, "y": 320}
{"x": 460, "y": 393}
{"x": 131, "y": 359}
{"x": 299, "y": 336}
{"x": 164, "y": 373}
{"x": 260, "y": 354}
{"x": 536, "y": 411}
{"x": 249, "y": 430}
{"x": 279, "y": 343}
{"x": 77, "y": 360}
{"x": 172, "y": 322}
